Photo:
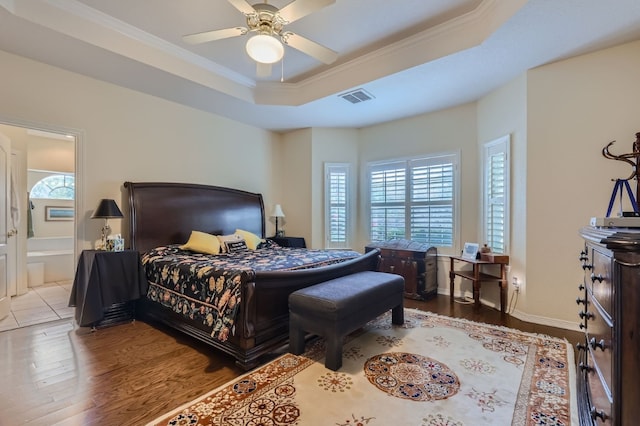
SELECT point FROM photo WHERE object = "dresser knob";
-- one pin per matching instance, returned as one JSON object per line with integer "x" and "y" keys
{"x": 584, "y": 367}
{"x": 581, "y": 346}
{"x": 581, "y": 286}
{"x": 595, "y": 278}
{"x": 579, "y": 301}
{"x": 587, "y": 315}
{"x": 587, "y": 266}
{"x": 601, "y": 344}
{"x": 595, "y": 414}
{"x": 582, "y": 326}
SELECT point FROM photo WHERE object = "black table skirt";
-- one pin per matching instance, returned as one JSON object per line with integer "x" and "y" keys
{"x": 105, "y": 278}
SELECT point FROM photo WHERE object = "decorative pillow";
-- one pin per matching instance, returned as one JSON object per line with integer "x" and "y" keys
{"x": 250, "y": 238}
{"x": 235, "y": 246}
{"x": 228, "y": 239}
{"x": 201, "y": 242}
{"x": 267, "y": 244}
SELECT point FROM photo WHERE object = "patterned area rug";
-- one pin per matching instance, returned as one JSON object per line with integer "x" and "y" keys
{"x": 432, "y": 371}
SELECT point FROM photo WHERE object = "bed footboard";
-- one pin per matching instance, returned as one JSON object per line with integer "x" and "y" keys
{"x": 262, "y": 325}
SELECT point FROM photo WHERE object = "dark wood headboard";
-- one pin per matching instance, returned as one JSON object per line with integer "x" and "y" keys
{"x": 166, "y": 213}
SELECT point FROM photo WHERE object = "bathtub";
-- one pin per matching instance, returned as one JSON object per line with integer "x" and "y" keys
{"x": 49, "y": 259}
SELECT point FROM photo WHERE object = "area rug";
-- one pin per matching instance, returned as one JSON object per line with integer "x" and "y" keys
{"x": 433, "y": 370}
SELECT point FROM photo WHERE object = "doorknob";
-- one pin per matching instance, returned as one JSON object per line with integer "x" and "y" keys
{"x": 12, "y": 232}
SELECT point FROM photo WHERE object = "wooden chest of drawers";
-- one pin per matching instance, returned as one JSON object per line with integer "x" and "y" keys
{"x": 609, "y": 358}
{"x": 416, "y": 262}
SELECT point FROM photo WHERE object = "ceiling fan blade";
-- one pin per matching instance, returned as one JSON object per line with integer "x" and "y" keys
{"x": 311, "y": 48}
{"x": 299, "y": 8}
{"x": 242, "y": 6}
{"x": 214, "y": 35}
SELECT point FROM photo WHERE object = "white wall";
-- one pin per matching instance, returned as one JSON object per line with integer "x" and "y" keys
{"x": 504, "y": 112}
{"x": 295, "y": 183}
{"x": 304, "y": 153}
{"x": 332, "y": 146}
{"x": 575, "y": 107}
{"x": 449, "y": 130}
{"x": 126, "y": 135}
{"x": 560, "y": 116}
{"x": 51, "y": 154}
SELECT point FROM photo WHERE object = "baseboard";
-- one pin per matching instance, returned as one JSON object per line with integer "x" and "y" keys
{"x": 551, "y": 322}
{"x": 523, "y": 316}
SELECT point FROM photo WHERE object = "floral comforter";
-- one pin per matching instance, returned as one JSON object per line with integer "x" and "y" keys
{"x": 207, "y": 288}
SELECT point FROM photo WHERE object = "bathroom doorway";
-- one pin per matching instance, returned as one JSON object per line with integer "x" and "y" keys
{"x": 46, "y": 161}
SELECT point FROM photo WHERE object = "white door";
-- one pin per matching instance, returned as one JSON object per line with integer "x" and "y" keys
{"x": 6, "y": 229}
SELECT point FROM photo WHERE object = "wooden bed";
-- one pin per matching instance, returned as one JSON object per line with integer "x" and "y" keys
{"x": 166, "y": 213}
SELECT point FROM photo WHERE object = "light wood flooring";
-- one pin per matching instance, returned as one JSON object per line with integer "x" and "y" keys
{"x": 129, "y": 374}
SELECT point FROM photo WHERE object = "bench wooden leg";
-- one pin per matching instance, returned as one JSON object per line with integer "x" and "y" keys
{"x": 397, "y": 315}
{"x": 333, "y": 357}
{"x": 296, "y": 340}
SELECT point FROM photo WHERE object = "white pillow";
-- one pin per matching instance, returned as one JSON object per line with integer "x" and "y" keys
{"x": 228, "y": 238}
{"x": 252, "y": 240}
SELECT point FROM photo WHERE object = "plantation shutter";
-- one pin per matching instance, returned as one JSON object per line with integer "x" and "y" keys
{"x": 337, "y": 208}
{"x": 496, "y": 179}
{"x": 414, "y": 199}
{"x": 432, "y": 201}
{"x": 388, "y": 188}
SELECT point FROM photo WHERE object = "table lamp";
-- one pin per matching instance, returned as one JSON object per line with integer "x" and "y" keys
{"x": 277, "y": 212}
{"x": 106, "y": 210}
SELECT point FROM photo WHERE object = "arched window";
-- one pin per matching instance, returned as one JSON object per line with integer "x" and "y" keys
{"x": 59, "y": 187}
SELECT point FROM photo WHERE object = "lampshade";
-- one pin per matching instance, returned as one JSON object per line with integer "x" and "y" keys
{"x": 106, "y": 209}
{"x": 265, "y": 49}
{"x": 277, "y": 211}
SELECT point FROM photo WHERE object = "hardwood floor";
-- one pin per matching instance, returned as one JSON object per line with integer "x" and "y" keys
{"x": 129, "y": 374}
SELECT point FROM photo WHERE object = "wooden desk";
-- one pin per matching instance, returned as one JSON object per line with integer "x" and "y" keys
{"x": 477, "y": 275}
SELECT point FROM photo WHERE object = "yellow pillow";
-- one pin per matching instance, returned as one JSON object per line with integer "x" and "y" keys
{"x": 250, "y": 238}
{"x": 201, "y": 242}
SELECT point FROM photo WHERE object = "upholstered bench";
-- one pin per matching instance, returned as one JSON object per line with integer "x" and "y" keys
{"x": 335, "y": 308}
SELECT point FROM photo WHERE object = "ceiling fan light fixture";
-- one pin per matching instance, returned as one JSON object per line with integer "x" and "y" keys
{"x": 265, "y": 49}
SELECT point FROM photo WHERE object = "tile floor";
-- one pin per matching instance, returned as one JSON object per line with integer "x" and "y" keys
{"x": 45, "y": 303}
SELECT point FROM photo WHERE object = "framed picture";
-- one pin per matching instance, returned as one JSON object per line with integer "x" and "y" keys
{"x": 56, "y": 213}
{"x": 470, "y": 251}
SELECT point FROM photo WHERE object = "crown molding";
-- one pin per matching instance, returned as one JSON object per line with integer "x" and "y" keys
{"x": 89, "y": 25}
{"x": 77, "y": 20}
{"x": 463, "y": 32}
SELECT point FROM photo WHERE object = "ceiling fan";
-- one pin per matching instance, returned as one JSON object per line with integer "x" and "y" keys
{"x": 268, "y": 23}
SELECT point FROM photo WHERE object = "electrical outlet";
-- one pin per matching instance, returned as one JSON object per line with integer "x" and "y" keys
{"x": 516, "y": 284}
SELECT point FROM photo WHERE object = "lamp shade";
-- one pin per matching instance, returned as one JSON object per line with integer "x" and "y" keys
{"x": 277, "y": 211}
{"x": 265, "y": 49}
{"x": 107, "y": 209}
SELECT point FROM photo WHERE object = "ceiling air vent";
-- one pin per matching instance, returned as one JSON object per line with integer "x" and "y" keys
{"x": 357, "y": 96}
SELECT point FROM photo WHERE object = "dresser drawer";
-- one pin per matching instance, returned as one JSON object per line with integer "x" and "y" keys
{"x": 600, "y": 281}
{"x": 600, "y": 341}
{"x": 599, "y": 399}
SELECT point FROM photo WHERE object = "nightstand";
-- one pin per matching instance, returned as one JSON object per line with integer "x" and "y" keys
{"x": 105, "y": 287}
{"x": 297, "y": 242}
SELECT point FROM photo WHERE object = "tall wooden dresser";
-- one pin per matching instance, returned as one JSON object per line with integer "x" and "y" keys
{"x": 608, "y": 373}
{"x": 416, "y": 262}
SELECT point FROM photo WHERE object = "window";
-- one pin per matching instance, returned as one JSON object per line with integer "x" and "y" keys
{"x": 496, "y": 194}
{"x": 337, "y": 205}
{"x": 414, "y": 199}
{"x": 59, "y": 187}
